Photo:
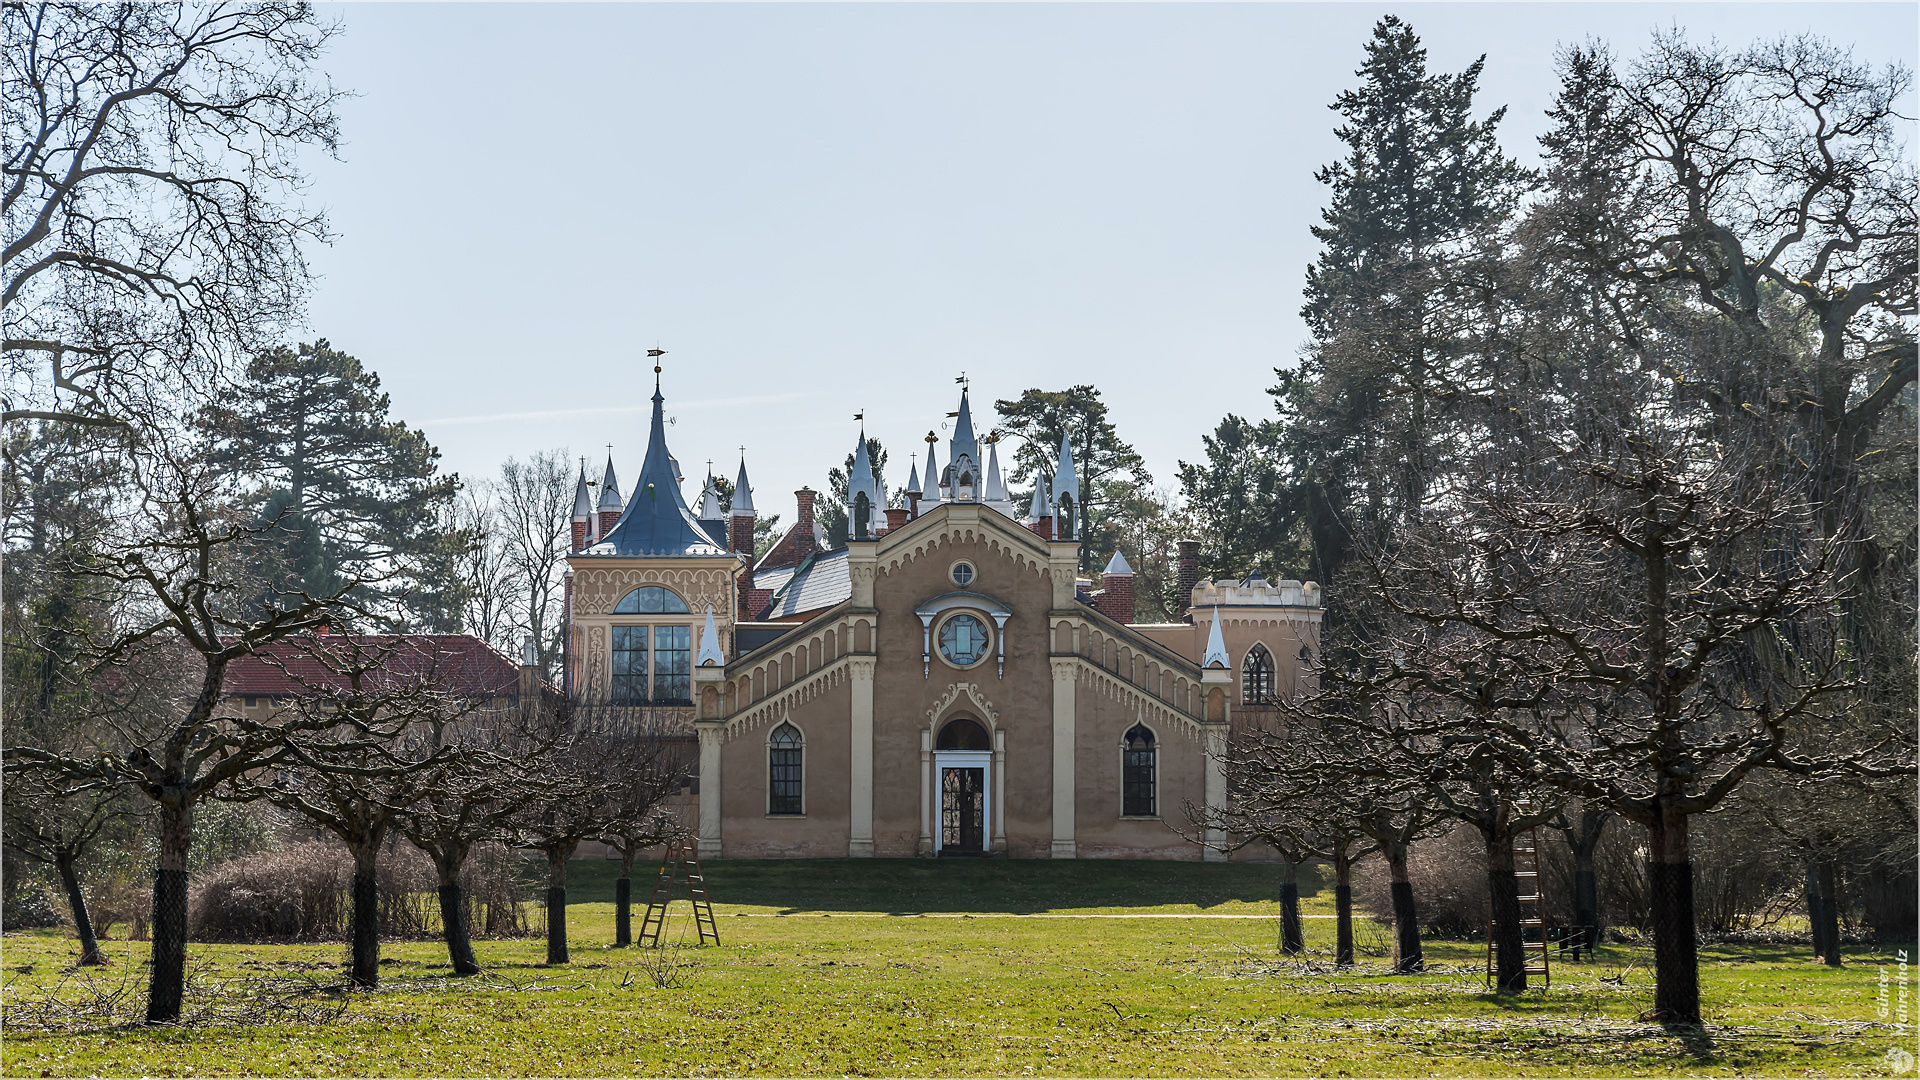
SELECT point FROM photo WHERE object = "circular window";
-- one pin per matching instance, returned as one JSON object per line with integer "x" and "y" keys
{"x": 962, "y": 573}
{"x": 963, "y": 641}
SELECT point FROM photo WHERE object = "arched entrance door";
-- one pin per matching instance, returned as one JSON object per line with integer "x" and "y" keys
{"x": 963, "y": 768}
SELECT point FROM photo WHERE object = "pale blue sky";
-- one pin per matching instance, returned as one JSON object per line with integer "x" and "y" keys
{"x": 818, "y": 209}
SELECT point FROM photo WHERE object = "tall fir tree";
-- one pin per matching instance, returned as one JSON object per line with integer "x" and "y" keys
{"x": 1402, "y": 283}
{"x": 349, "y": 487}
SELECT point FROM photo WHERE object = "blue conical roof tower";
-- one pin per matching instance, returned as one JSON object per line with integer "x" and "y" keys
{"x": 657, "y": 520}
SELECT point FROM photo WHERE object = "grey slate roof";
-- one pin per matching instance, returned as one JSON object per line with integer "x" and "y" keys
{"x": 657, "y": 521}
{"x": 773, "y": 579}
{"x": 820, "y": 582}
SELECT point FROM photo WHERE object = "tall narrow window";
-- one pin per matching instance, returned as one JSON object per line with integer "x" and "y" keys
{"x": 1136, "y": 774}
{"x": 1256, "y": 676}
{"x": 783, "y": 770}
{"x": 629, "y": 665}
{"x": 672, "y": 665}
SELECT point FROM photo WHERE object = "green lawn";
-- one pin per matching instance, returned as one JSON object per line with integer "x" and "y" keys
{"x": 956, "y": 985}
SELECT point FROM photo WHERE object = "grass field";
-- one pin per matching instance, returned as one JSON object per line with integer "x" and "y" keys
{"x": 913, "y": 968}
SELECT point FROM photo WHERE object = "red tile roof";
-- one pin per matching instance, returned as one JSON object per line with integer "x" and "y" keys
{"x": 458, "y": 663}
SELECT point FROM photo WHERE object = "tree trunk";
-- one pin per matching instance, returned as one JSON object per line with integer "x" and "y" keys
{"x": 1829, "y": 913}
{"x": 366, "y": 916}
{"x": 1342, "y": 907}
{"x": 168, "y": 987}
{"x": 1585, "y": 840}
{"x": 1503, "y": 891}
{"x": 1292, "y": 941}
{"x": 90, "y": 954}
{"x": 557, "y": 902}
{"x": 453, "y": 918}
{"x": 623, "y": 899}
{"x": 1816, "y": 923}
{"x": 1676, "y": 950}
{"x": 1407, "y": 958}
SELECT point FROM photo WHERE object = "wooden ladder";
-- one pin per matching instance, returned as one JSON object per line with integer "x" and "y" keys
{"x": 679, "y": 861}
{"x": 1535, "y": 949}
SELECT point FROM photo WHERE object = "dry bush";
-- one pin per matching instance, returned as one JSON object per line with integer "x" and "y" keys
{"x": 1449, "y": 876}
{"x": 297, "y": 892}
{"x": 302, "y": 892}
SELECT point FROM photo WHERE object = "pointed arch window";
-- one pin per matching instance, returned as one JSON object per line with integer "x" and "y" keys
{"x": 1064, "y": 520}
{"x": 784, "y": 750}
{"x": 862, "y": 516}
{"x": 1256, "y": 676}
{"x": 1137, "y": 774}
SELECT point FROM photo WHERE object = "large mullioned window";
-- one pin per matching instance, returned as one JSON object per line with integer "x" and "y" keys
{"x": 652, "y": 665}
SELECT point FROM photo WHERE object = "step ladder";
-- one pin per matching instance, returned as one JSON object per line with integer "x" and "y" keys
{"x": 1534, "y": 946}
{"x": 680, "y": 862}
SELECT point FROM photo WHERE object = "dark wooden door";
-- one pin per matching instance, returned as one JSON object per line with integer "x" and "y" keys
{"x": 963, "y": 807}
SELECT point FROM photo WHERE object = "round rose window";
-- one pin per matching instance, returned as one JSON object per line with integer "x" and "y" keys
{"x": 963, "y": 640}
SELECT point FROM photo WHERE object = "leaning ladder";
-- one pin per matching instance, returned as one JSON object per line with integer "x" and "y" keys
{"x": 679, "y": 861}
{"x": 1526, "y": 873}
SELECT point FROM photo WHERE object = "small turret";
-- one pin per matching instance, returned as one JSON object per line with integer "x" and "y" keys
{"x": 582, "y": 511}
{"x": 1216, "y": 656}
{"x": 931, "y": 478}
{"x": 711, "y": 519}
{"x": 913, "y": 493}
{"x": 740, "y": 515}
{"x": 963, "y": 463}
{"x": 1040, "y": 514}
{"x": 996, "y": 491}
{"x": 709, "y": 655}
{"x": 1066, "y": 493}
{"x": 611, "y": 504}
{"x": 864, "y": 502}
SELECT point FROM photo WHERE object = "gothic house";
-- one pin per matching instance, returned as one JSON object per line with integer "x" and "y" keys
{"x": 943, "y": 684}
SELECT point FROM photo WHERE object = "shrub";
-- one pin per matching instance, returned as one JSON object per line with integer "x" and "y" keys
{"x": 1449, "y": 876}
{"x": 302, "y": 892}
{"x": 296, "y": 892}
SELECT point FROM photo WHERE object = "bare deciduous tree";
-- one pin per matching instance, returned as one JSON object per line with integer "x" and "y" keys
{"x": 152, "y": 195}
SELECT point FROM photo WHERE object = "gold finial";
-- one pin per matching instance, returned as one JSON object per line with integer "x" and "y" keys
{"x": 932, "y": 438}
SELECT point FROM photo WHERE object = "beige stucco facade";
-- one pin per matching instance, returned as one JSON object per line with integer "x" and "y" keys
{"x": 1057, "y": 688}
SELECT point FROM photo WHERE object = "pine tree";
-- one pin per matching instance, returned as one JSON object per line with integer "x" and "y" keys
{"x": 347, "y": 487}
{"x": 1099, "y": 455}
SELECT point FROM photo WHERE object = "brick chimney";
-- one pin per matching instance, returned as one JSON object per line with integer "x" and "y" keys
{"x": 1116, "y": 597}
{"x": 740, "y": 535}
{"x": 580, "y": 535}
{"x": 607, "y": 518}
{"x": 1189, "y": 576}
{"x": 803, "y": 541}
{"x": 897, "y": 516}
{"x": 1042, "y": 528}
